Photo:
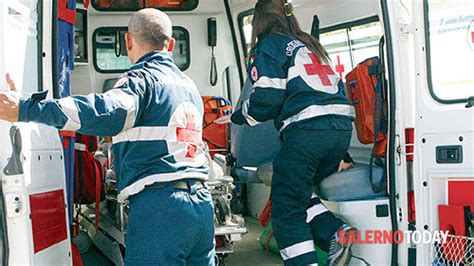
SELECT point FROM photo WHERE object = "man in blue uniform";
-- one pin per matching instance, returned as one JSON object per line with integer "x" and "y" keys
{"x": 155, "y": 114}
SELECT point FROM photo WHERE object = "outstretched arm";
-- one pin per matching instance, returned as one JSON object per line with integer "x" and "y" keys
{"x": 105, "y": 114}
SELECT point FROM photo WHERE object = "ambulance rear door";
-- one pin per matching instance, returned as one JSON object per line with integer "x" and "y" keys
{"x": 34, "y": 222}
{"x": 444, "y": 131}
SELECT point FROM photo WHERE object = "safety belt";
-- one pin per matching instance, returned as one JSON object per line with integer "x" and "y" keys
{"x": 98, "y": 180}
{"x": 380, "y": 124}
{"x": 315, "y": 27}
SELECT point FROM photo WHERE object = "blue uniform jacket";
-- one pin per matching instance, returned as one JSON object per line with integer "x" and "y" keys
{"x": 155, "y": 114}
{"x": 292, "y": 86}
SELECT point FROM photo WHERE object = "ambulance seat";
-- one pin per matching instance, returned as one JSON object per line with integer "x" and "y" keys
{"x": 252, "y": 146}
{"x": 349, "y": 185}
{"x": 109, "y": 84}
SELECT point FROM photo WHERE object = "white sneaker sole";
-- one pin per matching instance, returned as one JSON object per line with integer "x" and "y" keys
{"x": 344, "y": 258}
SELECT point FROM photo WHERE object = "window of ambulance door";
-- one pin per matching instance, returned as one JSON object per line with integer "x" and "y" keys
{"x": 450, "y": 43}
{"x": 110, "y": 56}
{"x": 337, "y": 45}
{"x": 21, "y": 55}
{"x": 245, "y": 25}
{"x": 349, "y": 44}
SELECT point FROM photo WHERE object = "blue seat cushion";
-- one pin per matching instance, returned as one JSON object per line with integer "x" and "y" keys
{"x": 352, "y": 184}
{"x": 252, "y": 146}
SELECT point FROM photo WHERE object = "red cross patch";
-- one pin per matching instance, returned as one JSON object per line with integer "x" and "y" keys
{"x": 340, "y": 67}
{"x": 317, "y": 76}
{"x": 190, "y": 135}
{"x": 316, "y": 68}
{"x": 254, "y": 73}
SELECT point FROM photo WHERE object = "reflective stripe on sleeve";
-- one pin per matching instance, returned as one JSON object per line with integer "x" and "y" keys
{"x": 274, "y": 83}
{"x": 319, "y": 110}
{"x": 245, "y": 112}
{"x": 297, "y": 250}
{"x": 314, "y": 211}
{"x": 69, "y": 107}
{"x": 129, "y": 102}
{"x": 142, "y": 134}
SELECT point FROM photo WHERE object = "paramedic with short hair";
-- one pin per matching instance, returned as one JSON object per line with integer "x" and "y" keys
{"x": 155, "y": 114}
{"x": 294, "y": 84}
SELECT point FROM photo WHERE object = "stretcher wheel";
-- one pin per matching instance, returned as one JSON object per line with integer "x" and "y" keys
{"x": 222, "y": 211}
{"x": 220, "y": 259}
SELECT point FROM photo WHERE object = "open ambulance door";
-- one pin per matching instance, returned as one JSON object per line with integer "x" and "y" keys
{"x": 444, "y": 132}
{"x": 33, "y": 218}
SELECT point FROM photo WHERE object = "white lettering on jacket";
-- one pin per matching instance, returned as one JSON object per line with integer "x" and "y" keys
{"x": 291, "y": 46}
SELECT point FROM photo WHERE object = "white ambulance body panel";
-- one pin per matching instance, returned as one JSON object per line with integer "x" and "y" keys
{"x": 364, "y": 215}
{"x": 444, "y": 133}
{"x": 36, "y": 212}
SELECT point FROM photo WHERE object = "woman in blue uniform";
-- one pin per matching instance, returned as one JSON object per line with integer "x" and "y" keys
{"x": 295, "y": 85}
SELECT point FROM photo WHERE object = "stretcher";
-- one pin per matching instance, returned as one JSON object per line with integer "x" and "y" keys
{"x": 110, "y": 234}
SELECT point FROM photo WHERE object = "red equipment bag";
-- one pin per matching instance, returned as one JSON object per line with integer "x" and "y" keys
{"x": 366, "y": 91}
{"x": 216, "y": 136}
{"x": 89, "y": 173}
{"x": 362, "y": 84}
{"x": 265, "y": 215}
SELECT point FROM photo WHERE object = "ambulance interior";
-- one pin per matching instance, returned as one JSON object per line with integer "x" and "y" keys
{"x": 351, "y": 32}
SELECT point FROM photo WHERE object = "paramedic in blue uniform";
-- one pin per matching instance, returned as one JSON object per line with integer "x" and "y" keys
{"x": 155, "y": 114}
{"x": 294, "y": 84}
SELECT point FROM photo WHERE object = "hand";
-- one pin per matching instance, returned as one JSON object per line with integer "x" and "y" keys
{"x": 343, "y": 166}
{"x": 223, "y": 120}
{"x": 10, "y": 82}
{"x": 9, "y": 108}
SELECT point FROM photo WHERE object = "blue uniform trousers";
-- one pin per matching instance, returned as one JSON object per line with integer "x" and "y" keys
{"x": 170, "y": 226}
{"x": 299, "y": 219}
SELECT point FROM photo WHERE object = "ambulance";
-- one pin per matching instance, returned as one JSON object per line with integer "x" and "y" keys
{"x": 424, "y": 214}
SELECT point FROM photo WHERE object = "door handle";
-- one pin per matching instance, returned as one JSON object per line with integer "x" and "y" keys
{"x": 449, "y": 154}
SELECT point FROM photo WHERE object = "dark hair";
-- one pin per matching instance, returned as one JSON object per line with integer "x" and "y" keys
{"x": 270, "y": 18}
